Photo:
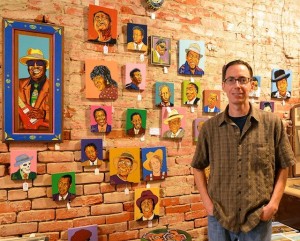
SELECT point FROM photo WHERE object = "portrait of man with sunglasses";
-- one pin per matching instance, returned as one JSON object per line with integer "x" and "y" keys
{"x": 158, "y": 53}
{"x": 33, "y": 99}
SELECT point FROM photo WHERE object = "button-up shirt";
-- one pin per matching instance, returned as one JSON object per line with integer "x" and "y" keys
{"x": 243, "y": 165}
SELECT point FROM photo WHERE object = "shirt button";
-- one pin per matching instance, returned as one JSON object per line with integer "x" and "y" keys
{"x": 240, "y": 209}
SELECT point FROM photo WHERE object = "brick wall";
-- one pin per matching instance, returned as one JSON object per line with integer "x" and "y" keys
{"x": 264, "y": 33}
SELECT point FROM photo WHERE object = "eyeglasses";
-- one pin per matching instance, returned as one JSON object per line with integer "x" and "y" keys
{"x": 162, "y": 46}
{"x": 242, "y": 80}
{"x": 37, "y": 62}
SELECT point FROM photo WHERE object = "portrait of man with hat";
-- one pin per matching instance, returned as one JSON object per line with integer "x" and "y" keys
{"x": 145, "y": 203}
{"x": 193, "y": 55}
{"x": 34, "y": 90}
{"x": 174, "y": 122}
{"x": 280, "y": 77}
{"x": 154, "y": 163}
{"x": 160, "y": 53}
{"x": 23, "y": 162}
{"x": 122, "y": 165}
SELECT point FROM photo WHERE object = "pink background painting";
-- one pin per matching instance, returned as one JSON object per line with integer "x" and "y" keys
{"x": 164, "y": 115}
{"x": 108, "y": 110}
{"x": 30, "y": 153}
{"x": 142, "y": 68}
{"x": 91, "y": 90}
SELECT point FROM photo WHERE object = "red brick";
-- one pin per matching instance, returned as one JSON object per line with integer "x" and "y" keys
{"x": 178, "y": 209}
{"x": 3, "y": 195}
{"x": 194, "y": 198}
{"x": 18, "y": 228}
{"x": 55, "y": 226}
{"x": 3, "y": 170}
{"x": 128, "y": 206}
{"x": 71, "y": 213}
{"x": 118, "y": 218}
{"x": 91, "y": 189}
{"x": 117, "y": 197}
{"x": 104, "y": 209}
{"x": 169, "y": 201}
{"x": 87, "y": 200}
{"x": 90, "y": 220}
{"x": 120, "y": 236}
{"x": 55, "y": 156}
{"x": 4, "y": 158}
{"x": 36, "y": 192}
{"x": 112, "y": 228}
{"x": 8, "y": 218}
{"x": 6, "y": 182}
{"x": 17, "y": 195}
{"x": 16, "y": 206}
{"x": 63, "y": 167}
{"x": 201, "y": 222}
{"x": 195, "y": 214}
{"x": 39, "y": 215}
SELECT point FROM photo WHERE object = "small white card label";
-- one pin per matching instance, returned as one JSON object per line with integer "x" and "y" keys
{"x": 154, "y": 131}
{"x": 165, "y": 70}
{"x": 148, "y": 185}
{"x": 142, "y": 57}
{"x": 97, "y": 171}
{"x": 139, "y": 97}
{"x": 152, "y": 15}
{"x": 143, "y": 138}
{"x": 105, "y": 49}
{"x": 68, "y": 205}
{"x": 57, "y": 147}
{"x": 25, "y": 186}
{"x": 97, "y": 2}
{"x": 192, "y": 109}
{"x": 150, "y": 224}
{"x": 126, "y": 191}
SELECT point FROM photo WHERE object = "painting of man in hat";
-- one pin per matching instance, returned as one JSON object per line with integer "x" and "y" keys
{"x": 154, "y": 163}
{"x": 124, "y": 165}
{"x": 147, "y": 204}
{"x": 281, "y": 84}
{"x": 83, "y": 233}
{"x": 173, "y": 119}
{"x": 34, "y": 98}
{"x": 23, "y": 165}
{"x": 191, "y": 57}
{"x": 160, "y": 50}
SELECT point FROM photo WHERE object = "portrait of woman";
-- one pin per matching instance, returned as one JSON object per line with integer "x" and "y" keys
{"x": 101, "y": 119}
{"x": 102, "y": 24}
{"x": 154, "y": 163}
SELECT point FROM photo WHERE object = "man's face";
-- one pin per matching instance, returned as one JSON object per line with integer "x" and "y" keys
{"x": 147, "y": 206}
{"x": 137, "y": 77}
{"x": 137, "y": 36}
{"x": 191, "y": 92}
{"x": 161, "y": 48}
{"x": 255, "y": 85}
{"x": 124, "y": 166}
{"x": 25, "y": 167}
{"x": 165, "y": 94}
{"x": 193, "y": 59}
{"x": 237, "y": 93}
{"x": 136, "y": 121}
{"x": 99, "y": 82}
{"x": 174, "y": 125}
{"x": 212, "y": 100}
{"x": 101, "y": 21}
{"x": 63, "y": 185}
{"x": 155, "y": 164}
{"x": 36, "y": 69}
{"x": 282, "y": 86}
{"x": 91, "y": 153}
{"x": 100, "y": 118}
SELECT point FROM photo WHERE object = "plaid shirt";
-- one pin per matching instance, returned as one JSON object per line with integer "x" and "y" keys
{"x": 243, "y": 165}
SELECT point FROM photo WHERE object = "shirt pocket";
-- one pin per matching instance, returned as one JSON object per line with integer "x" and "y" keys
{"x": 261, "y": 161}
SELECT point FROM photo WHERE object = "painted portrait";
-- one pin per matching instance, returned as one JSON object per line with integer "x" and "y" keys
{"x": 191, "y": 93}
{"x": 154, "y": 161}
{"x": 191, "y": 57}
{"x": 160, "y": 51}
{"x": 136, "y": 122}
{"x": 137, "y": 37}
{"x": 102, "y": 25}
{"x": 63, "y": 186}
{"x": 91, "y": 152}
{"x": 84, "y": 233}
{"x": 23, "y": 164}
{"x": 256, "y": 83}
{"x": 101, "y": 79}
{"x": 173, "y": 122}
{"x": 281, "y": 87}
{"x": 124, "y": 165}
{"x": 267, "y": 106}
{"x": 164, "y": 94}
{"x": 101, "y": 119}
{"x": 211, "y": 101}
{"x": 147, "y": 204}
{"x": 164, "y": 234}
{"x": 198, "y": 125}
{"x": 135, "y": 77}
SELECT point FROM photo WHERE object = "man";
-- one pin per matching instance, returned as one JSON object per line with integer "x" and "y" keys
{"x": 191, "y": 94}
{"x": 193, "y": 56}
{"x": 64, "y": 185}
{"x": 91, "y": 152}
{"x": 34, "y": 100}
{"x": 159, "y": 51}
{"x": 137, "y": 44}
{"x": 249, "y": 154}
{"x": 281, "y": 84}
{"x": 136, "y": 79}
{"x": 125, "y": 165}
{"x": 146, "y": 203}
{"x": 256, "y": 88}
{"x": 165, "y": 96}
{"x": 100, "y": 117}
{"x": 174, "y": 122}
{"x": 136, "y": 121}
{"x": 212, "y": 103}
{"x": 23, "y": 161}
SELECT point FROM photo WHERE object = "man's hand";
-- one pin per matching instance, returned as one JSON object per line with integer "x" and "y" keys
{"x": 36, "y": 113}
{"x": 268, "y": 212}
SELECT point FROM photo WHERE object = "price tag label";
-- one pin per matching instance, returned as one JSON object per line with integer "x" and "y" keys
{"x": 192, "y": 80}
{"x": 165, "y": 70}
{"x": 148, "y": 185}
{"x": 97, "y": 171}
{"x": 192, "y": 109}
{"x": 152, "y": 15}
{"x": 142, "y": 57}
{"x": 68, "y": 205}
{"x": 139, "y": 97}
{"x": 126, "y": 191}
{"x": 25, "y": 186}
{"x": 105, "y": 49}
{"x": 150, "y": 224}
{"x": 143, "y": 138}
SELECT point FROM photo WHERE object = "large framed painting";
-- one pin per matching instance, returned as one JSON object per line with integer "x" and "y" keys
{"x": 32, "y": 81}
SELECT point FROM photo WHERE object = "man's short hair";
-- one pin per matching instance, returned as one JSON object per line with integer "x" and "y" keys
{"x": 109, "y": 18}
{"x": 133, "y": 71}
{"x": 161, "y": 40}
{"x": 135, "y": 113}
{"x": 236, "y": 62}
{"x": 196, "y": 86}
{"x": 67, "y": 176}
{"x": 99, "y": 109}
{"x": 138, "y": 28}
{"x": 164, "y": 85}
{"x": 90, "y": 144}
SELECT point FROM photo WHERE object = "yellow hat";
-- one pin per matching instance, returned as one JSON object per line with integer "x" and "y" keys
{"x": 34, "y": 54}
{"x": 149, "y": 155}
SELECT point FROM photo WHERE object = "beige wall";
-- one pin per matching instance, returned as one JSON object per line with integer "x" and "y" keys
{"x": 264, "y": 33}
